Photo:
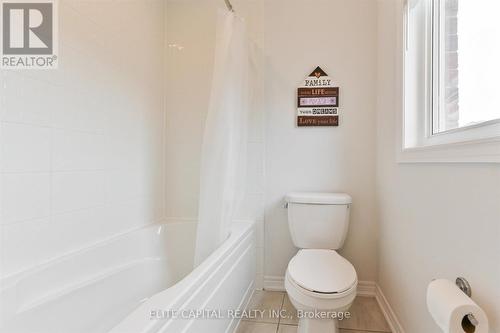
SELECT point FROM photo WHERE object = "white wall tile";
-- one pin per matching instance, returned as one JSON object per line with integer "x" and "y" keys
{"x": 133, "y": 214}
{"x": 78, "y": 229}
{"x": 79, "y": 110}
{"x": 24, "y": 245}
{"x": 252, "y": 208}
{"x": 259, "y": 233}
{"x": 24, "y": 148}
{"x": 259, "y": 272}
{"x": 185, "y": 119}
{"x": 123, "y": 185}
{"x": 27, "y": 100}
{"x": 100, "y": 135}
{"x": 24, "y": 196}
{"x": 255, "y": 168}
{"x": 77, "y": 190}
{"x": 76, "y": 150}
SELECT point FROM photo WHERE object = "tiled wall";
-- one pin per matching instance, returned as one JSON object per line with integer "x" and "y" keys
{"x": 254, "y": 201}
{"x": 81, "y": 152}
{"x": 187, "y": 91}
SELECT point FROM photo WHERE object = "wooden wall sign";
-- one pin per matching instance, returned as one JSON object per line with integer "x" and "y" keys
{"x": 318, "y": 101}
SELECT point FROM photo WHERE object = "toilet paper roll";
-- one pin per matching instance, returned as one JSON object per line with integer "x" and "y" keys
{"x": 450, "y": 307}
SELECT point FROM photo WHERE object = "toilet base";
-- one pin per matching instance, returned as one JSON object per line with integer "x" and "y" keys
{"x": 308, "y": 304}
{"x": 318, "y": 326}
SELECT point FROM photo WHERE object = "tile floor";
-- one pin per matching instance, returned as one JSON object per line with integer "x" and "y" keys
{"x": 366, "y": 315}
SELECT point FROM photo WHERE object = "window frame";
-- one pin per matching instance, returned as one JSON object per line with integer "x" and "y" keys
{"x": 473, "y": 143}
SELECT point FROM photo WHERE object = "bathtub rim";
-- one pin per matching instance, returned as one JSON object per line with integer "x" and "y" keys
{"x": 11, "y": 279}
{"x": 11, "y": 304}
{"x": 138, "y": 321}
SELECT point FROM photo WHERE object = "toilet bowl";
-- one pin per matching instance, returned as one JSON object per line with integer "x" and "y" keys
{"x": 320, "y": 283}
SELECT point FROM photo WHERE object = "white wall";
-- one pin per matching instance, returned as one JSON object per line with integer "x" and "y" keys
{"x": 342, "y": 158}
{"x": 436, "y": 220}
{"x": 340, "y": 36}
{"x": 81, "y": 146}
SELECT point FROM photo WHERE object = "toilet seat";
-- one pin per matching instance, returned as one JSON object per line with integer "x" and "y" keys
{"x": 323, "y": 272}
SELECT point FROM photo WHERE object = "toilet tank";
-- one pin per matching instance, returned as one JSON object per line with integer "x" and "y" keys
{"x": 318, "y": 220}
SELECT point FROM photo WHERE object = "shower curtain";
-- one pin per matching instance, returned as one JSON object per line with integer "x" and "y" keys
{"x": 224, "y": 148}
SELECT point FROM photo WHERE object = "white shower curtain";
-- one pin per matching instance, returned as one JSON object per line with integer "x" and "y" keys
{"x": 224, "y": 148}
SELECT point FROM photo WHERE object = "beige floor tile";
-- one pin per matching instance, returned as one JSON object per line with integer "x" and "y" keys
{"x": 365, "y": 316}
{"x": 291, "y": 313}
{"x": 253, "y": 327}
{"x": 287, "y": 329}
{"x": 355, "y": 331}
{"x": 269, "y": 302}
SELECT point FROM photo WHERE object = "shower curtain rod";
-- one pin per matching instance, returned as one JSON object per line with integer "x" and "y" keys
{"x": 229, "y": 5}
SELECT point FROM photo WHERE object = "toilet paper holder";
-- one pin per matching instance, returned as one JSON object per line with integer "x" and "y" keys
{"x": 464, "y": 285}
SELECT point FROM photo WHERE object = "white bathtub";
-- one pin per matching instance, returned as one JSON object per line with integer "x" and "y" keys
{"x": 114, "y": 286}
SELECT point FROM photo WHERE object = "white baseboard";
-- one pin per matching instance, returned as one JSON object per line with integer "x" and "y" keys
{"x": 274, "y": 283}
{"x": 386, "y": 308}
{"x": 277, "y": 283}
{"x": 365, "y": 289}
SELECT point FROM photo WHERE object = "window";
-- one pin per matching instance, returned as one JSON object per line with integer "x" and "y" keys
{"x": 451, "y": 72}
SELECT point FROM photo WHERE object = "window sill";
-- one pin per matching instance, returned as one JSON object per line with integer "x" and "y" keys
{"x": 475, "y": 151}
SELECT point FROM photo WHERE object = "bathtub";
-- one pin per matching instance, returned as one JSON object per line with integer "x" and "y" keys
{"x": 117, "y": 285}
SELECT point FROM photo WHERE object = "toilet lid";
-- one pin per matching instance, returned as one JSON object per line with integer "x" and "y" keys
{"x": 322, "y": 271}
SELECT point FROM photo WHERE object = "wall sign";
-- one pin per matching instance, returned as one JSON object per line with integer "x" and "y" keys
{"x": 318, "y": 101}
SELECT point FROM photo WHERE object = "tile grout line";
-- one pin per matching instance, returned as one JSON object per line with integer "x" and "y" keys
{"x": 279, "y": 324}
{"x": 361, "y": 330}
{"x": 279, "y": 316}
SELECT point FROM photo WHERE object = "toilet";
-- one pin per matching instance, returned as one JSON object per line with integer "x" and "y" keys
{"x": 320, "y": 283}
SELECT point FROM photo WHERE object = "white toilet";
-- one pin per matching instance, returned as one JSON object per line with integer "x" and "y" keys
{"x": 320, "y": 283}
